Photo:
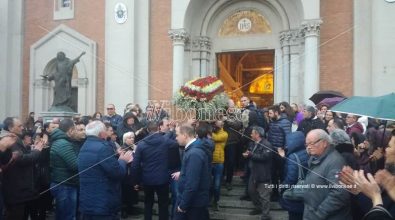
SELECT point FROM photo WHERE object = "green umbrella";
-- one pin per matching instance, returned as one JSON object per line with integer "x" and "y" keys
{"x": 380, "y": 107}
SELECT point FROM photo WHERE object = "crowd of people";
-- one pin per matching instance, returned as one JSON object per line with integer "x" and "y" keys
{"x": 94, "y": 167}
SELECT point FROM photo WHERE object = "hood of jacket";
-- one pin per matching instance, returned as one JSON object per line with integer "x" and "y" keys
{"x": 126, "y": 118}
{"x": 295, "y": 142}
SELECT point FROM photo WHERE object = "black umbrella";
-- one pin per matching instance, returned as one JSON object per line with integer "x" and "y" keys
{"x": 319, "y": 96}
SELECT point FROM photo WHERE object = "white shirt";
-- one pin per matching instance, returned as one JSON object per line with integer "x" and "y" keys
{"x": 189, "y": 143}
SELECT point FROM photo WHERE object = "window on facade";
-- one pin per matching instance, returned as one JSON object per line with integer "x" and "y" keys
{"x": 66, "y": 3}
{"x": 63, "y": 9}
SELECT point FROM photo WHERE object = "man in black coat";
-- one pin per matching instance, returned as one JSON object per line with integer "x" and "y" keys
{"x": 19, "y": 182}
{"x": 259, "y": 187}
{"x": 6, "y": 141}
{"x": 310, "y": 121}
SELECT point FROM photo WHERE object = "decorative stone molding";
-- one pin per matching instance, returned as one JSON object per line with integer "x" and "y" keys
{"x": 291, "y": 37}
{"x": 285, "y": 37}
{"x": 311, "y": 27}
{"x": 203, "y": 43}
{"x": 178, "y": 36}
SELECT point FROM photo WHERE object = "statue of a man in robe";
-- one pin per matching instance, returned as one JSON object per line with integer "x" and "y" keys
{"x": 62, "y": 77}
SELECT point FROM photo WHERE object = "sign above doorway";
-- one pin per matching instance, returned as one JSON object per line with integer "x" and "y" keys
{"x": 243, "y": 23}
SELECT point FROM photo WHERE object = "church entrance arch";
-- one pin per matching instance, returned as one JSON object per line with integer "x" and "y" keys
{"x": 223, "y": 30}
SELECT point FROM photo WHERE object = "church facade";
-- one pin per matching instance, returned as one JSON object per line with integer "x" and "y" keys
{"x": 139, "y": 50}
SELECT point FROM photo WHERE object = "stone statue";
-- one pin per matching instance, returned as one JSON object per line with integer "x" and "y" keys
{"x": 62, "y": 77}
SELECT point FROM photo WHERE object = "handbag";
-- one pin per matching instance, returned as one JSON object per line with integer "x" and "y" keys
{"x": 295, "y": 192}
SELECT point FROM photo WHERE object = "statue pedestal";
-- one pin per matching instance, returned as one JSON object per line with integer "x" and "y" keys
{"x": 48, "y": 116}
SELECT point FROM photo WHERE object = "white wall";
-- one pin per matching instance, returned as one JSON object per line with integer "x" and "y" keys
{"x": 141, "y": 52}
{"x": 383, "y": 47}
{"x": 362, "y": 47}
{"x": 374, "y": 47}
{"x": 11, "y": 46}
{"x": 126, "y": 55}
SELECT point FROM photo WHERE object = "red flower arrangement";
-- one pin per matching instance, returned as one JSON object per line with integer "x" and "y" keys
{"x": 202, "y": 89}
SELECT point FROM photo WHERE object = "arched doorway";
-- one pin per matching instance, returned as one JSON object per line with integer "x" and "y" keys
{"x": 222, "y": 28}
{"x": 248, "y": 73}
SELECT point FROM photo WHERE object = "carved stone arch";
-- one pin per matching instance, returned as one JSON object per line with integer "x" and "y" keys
{"x": 42, "y": 54}
{"x": 203, "y": 18}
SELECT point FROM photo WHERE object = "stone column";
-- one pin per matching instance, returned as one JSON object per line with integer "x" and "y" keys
{"x": 205, "y": 52}
{"x": 201, "y": 50}
{"x": 285, "y": 37}
{"x": 179, "y": 38}
{"x": 295, "y": 78}
{"x": 311, "y": 31}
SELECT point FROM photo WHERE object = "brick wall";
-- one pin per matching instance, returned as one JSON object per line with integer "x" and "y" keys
{"x": 336, "y": 50}
{"x": 88, "y": 20}
{"x": 161, "y": 51}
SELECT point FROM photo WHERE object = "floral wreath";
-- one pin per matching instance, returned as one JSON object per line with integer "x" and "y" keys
{"x": 203, "y": 93}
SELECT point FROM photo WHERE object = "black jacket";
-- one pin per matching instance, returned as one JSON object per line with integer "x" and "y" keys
{"x": 19, "y": 177}
{"x": 378, "y": 213}
{"x": 261, "y": 161}
{"x": 309, "y": 124}
{"x": 347, "y": 151}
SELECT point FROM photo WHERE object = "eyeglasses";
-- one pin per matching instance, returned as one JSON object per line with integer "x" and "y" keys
{"x": 313, "y": 143}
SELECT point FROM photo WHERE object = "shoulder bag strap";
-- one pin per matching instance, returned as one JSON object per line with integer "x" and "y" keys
{"x": 300, "y": 168}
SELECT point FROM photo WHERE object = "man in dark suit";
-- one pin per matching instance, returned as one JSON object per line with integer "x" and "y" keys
{"x": 194, "y": 180}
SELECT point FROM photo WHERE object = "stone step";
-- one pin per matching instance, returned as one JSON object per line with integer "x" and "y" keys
{"x": 229, "y": 202}
{"x": 233, "y": 203}
{"x": 229, "y": 214}
{"x": 237, "y": 203}
{"x": 236, "y": 191}
{"x": 237, "y": 181}
{"x": 230, "y": 205}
